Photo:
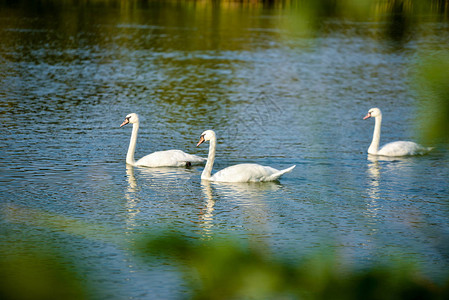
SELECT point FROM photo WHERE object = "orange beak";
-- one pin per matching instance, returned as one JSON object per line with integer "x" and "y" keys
{"x": 125, "y": 122}
{"x": 368, "y": 115}
{"x": 201, "y": 140}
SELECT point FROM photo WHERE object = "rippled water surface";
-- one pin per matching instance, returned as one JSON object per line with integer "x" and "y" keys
{"x": 68, "y": 78}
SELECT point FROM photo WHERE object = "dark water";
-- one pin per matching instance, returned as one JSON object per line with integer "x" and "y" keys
{"x": 69, "y": 76}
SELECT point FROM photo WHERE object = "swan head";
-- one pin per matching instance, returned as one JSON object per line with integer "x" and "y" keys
{"x": 131, "y": 118}
{"x": 373, "y": 113}
{"x": 206, "y": 136}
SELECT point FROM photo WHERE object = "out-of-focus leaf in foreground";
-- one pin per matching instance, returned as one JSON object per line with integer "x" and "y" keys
{"x": 225, "y": 269}
{"x": 30, "y": 272}
{"x": 432, "y": 84}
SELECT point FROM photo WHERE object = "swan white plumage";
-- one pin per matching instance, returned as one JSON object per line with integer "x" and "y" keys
{"x": 168, "y": 158}
{"x": 399, "y": 148}
{"x": 236, "y": 173}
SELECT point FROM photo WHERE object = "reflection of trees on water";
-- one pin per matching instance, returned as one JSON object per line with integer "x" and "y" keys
{"x": 216, "y": 25}
{"x": 192, "y": 50}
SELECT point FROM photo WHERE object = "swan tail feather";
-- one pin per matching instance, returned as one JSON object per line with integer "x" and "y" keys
{"x": 280, "y": 173}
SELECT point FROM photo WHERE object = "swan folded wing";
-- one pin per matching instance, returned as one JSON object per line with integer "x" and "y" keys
{"x": 402, "y": 148}
{"x": 247, "y": 173}
{"x": 169, "y": 158}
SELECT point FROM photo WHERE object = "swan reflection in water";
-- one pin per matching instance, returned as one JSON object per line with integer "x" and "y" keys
{"x": 373, "y": 176}
{"x": 131, "y": 200}
{"x": 378, "y": 166}
{"x": 207, "y": 214}
{"x": 245, "y": 199}
{"x": 166, "y": 180}
{"x": 249, "y": 197}
{"x": 389, "y": 164}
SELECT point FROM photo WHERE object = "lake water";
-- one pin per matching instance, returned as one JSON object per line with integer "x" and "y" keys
{"x": 274, "y": 96}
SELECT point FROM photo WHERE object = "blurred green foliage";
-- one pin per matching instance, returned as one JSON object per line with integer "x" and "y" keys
{"x": 218, "y": 268}
{"x": 432, "y": 84}
{"x": 30, "y": 271}
{"x": 32, "y": 268}
{"x": 222, "y": 268}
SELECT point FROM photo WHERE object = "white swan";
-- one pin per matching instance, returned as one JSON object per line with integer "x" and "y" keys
{"x": 169, "y": 158}
{"x": 236, "y": 173}
{"x": 399, "y": 148}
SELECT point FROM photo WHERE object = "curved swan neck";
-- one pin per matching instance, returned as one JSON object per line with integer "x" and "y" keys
{"x": 374, "y": 147}
{"x": 132, "y": 145}
{"x": 210, "y": 159}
